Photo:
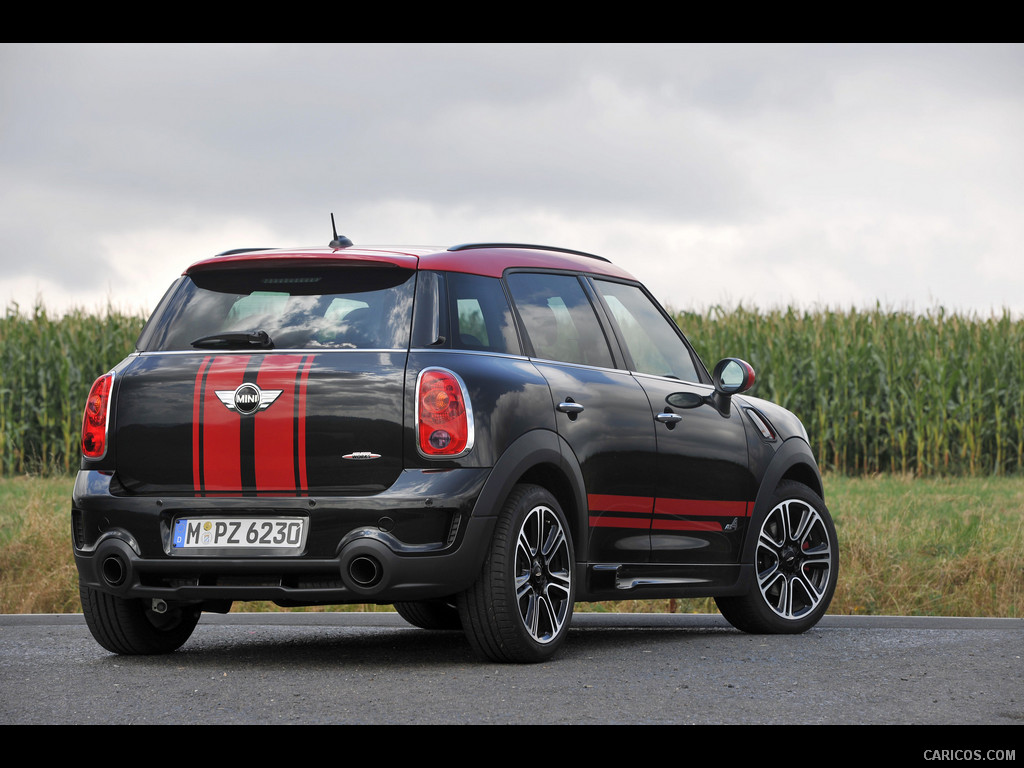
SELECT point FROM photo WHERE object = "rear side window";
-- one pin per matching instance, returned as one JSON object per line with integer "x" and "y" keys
{"x": 320, "y": 308}
{"x": 455, "y": 310}
{"x": 479, "y": 314}
{"x": 559, "y": 318}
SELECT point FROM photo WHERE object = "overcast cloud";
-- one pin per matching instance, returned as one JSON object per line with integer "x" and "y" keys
{"x": 769, "y": 175}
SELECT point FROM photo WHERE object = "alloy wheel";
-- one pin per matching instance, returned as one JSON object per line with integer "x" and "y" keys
{"x": 794, "y": 559}
{"x": 543, "y": 574}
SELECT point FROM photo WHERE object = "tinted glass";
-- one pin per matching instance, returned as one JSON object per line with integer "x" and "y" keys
{"x": 559, "y": 318}
{"x": 346, "y": 308}
{"x": 480, "y": 315}
{"x": 653, "y": 343}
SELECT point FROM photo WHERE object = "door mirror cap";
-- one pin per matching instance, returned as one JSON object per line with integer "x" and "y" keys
{"x": 732, "y": 376}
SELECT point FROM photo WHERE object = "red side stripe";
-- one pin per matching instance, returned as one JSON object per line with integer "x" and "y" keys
{"x": 602, "y": 504}
{"x": 606, "y": 521}
{"x": 607, "y": 503}
{"x": 687, "y": 525}
{"x": 701, "y": 508}
{"x": 662, "y": 514}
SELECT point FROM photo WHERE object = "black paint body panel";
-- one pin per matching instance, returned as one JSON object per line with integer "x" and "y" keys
{"x": 657, "y": 508}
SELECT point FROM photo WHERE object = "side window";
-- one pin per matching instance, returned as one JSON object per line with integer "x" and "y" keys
{"x": 479, "y": 314}
{"x": 652, "y": 342}
{"x": 472, "y": 329}
{"x": 559, "y": 319}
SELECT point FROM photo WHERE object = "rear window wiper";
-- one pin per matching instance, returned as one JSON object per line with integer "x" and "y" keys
{"x": 236, "y": 340}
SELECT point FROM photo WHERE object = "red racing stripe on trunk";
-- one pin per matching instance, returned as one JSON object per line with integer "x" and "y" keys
{"x": 221, "y": 459}
{"x": 197, "y": 427}
{"x": 301, "y": 418}
{"x": 276, "y": 428}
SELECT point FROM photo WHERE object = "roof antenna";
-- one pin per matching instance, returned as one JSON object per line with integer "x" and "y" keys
{"x": 338, "y": 242}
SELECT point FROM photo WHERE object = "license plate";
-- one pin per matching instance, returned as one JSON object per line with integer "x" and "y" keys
{"x": 199, "y": 533}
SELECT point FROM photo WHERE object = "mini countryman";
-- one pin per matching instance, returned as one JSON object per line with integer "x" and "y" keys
{"x": 480, "y": 435}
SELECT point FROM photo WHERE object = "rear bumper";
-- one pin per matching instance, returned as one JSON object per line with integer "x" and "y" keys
{"x": 417, "y": 540}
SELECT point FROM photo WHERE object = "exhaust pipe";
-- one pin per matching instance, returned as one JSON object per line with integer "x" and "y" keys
{"x": 114, "y": 570}
{"x": 366, "y": 566}
{"x": 365, "y": 570}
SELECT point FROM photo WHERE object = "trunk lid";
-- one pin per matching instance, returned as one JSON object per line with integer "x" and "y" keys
{"x": 195, "y": 424}
{"x": 269, "y": 381}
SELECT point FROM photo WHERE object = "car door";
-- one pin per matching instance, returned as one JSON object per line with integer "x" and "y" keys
{"x": 602, "y": 411}
{"x": 703, "y": 489}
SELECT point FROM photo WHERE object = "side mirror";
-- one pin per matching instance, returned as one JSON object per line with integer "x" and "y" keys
{"x": 731, "y": 376}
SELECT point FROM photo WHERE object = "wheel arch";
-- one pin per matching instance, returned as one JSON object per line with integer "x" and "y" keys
{"x": 805, "y": 474}
{"x": 795, "y": 462}
{"x": 538, "y": 457}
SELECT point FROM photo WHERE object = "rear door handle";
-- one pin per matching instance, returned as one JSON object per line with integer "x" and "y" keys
{"x": 570, "y": 407}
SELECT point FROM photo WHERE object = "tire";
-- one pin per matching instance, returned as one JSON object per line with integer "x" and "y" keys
{"x": 430, "y": 614}
{"x": 130, "y": 627}
{"x": 796, "y": 565}
{"x": 520, "y": 607}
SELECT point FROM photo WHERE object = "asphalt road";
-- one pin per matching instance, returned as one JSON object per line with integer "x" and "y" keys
{"x": 374, "y": 669}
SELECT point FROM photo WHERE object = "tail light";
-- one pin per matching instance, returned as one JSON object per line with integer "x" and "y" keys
{"x": 96, "y": 417}
{"x": 444, "y": 416}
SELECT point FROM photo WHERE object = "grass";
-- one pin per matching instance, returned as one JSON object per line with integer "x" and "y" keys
{"x": 946, "y": 546}
{"x": 908, "y": 546}
{"x": 37, "y": 569}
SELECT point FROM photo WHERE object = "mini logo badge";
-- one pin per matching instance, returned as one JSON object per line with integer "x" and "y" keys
{"x": 248, "y": 398}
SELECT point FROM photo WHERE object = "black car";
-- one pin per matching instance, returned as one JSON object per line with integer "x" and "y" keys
{"x": 481, "y": 435}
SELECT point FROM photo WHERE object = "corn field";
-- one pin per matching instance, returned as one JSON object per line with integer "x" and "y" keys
{"x": 47, "y": 365}
{"x": 879, "y": 390}
{"x": 885, "y": 391}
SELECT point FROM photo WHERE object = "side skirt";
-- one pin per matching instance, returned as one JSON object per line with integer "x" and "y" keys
{"x": 627, "y": 581}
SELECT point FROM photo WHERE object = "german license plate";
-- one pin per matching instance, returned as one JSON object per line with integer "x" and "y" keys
{"x": 199, "y": 533}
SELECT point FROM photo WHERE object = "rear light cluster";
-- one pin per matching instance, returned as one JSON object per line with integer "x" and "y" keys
{"x": 444, "y": 416}
{"x": 94, "y": 421}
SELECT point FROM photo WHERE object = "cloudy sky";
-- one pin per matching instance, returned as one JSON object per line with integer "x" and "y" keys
{"x": 774, "y": 175}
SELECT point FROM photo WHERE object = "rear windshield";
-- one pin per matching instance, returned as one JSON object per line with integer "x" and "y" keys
{"x": 322, "y": 308}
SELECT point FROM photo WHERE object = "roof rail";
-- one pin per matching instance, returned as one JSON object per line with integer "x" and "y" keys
{"x": 233, "y": 251}
{"x": 471, "y": 246}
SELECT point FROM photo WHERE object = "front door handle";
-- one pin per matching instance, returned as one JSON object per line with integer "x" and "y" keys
{"x": 570, "y": 407}
{"x": 669, "y": 419}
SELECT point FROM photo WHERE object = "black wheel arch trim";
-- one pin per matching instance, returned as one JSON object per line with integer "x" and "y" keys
{"x": 541, "y": 457}
{"x": 793, "y": 461}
